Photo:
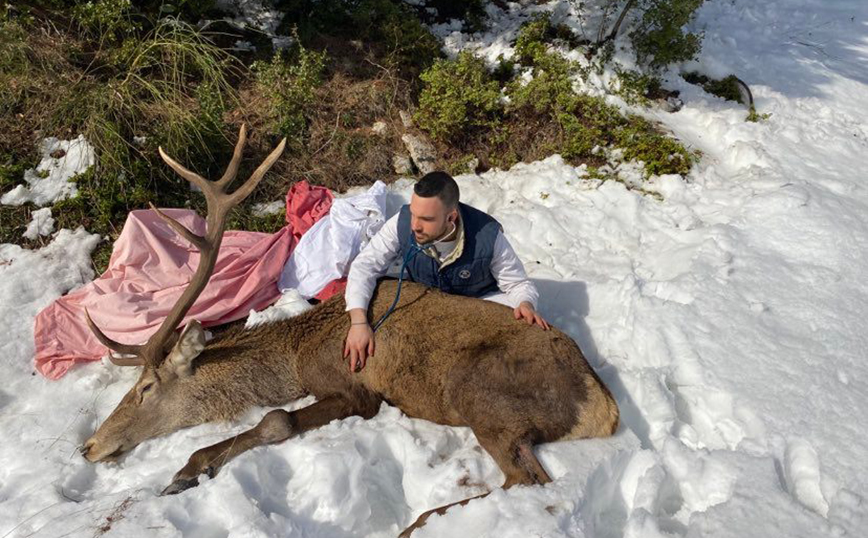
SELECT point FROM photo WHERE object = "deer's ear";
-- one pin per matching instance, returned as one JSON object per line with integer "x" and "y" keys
{"x": 190, "y": 344}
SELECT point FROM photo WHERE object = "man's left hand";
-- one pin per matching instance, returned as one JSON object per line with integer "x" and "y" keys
{"x": 526, "y": 312}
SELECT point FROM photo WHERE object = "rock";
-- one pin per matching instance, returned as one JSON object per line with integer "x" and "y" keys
{"x": 472, "y": 165}
{"x": 402, "y": 164}
{"x": 421, "y": 151}
{"x": 379, "y": 128}
{"x": 406, "y": 119}
{"x": 671, "y": 104}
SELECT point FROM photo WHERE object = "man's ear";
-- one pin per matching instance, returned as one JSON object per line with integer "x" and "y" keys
{"x": 453, "y": 216}
{"x": 189, "y": 346}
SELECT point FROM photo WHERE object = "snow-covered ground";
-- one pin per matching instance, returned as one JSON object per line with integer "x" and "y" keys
{"x": 728, "y": 318}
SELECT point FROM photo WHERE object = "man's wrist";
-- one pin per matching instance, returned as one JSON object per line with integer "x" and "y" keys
{"x": 358, "y": 316}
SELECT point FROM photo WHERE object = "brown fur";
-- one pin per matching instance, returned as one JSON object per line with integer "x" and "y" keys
{"x": 448, "y": 359}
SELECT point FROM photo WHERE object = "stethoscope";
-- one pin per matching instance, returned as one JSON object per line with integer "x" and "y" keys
{"x": 413, "y": 248}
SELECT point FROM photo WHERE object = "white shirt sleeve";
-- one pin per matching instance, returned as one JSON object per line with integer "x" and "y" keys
{"x": 509, "y": 273}
{"x": 372, "y": 263}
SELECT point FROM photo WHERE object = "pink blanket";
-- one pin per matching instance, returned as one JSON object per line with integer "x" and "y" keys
{"x": 149, "y": 268}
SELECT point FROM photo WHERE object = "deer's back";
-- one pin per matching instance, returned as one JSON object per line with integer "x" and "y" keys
{"x": 439, "y": 354}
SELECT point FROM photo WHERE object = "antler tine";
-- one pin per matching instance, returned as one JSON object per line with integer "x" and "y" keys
{"x": 232, "y": 169}
{"x": 126, "y": 361}
{"x": 245, "y": 190}
{"x": 197, "y": 240}
{"x": 189, "y": 175}
{"x": 128, "y": 349}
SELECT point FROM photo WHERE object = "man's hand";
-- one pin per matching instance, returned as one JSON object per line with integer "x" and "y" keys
{"x": 360, "y": 340}
{"x": 526, "y": 312}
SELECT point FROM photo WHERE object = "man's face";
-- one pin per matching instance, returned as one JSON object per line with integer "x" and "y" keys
{"x": 429, "y": 218}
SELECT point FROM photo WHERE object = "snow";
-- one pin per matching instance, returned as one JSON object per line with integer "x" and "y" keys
{"x": 264, "y": 209}
{"x": 258, "y": 15}
{"x": 728, "y": 316}
{"x": 41, "y": 224}
{"x": 50, "y": 182}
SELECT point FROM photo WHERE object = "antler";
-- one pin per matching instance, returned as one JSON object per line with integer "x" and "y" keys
{"x": 219, "y": 204}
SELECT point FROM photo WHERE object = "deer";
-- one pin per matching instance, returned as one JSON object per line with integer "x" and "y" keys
{"x": 448, "y": 359}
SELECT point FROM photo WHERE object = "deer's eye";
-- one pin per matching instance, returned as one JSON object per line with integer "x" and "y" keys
{"x": 144, "y": 390}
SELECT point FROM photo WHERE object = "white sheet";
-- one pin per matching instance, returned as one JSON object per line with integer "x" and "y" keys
{"x": 325, "y": 252}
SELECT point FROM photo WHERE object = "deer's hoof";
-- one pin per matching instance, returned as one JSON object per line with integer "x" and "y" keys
{"x": 180, "y": 484}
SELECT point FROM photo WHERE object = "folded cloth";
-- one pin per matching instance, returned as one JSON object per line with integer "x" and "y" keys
{"x": 151, "y": 266}
{"x": 325, "y": 252}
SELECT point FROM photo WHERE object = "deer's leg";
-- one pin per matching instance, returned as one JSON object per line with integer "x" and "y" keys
{"x": 516, "y": 460}
{"x": 276, "y": 426}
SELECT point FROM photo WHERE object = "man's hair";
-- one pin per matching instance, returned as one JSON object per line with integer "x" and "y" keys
{"x": 441, "y": 185}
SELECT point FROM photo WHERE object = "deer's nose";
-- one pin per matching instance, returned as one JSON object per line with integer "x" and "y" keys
{"x": 85, "y": 448}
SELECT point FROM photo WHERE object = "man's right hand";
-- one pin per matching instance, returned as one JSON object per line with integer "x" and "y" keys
{"x": 359, "y": 345}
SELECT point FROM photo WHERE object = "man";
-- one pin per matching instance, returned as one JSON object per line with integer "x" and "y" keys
{"x": 447, "y": 245}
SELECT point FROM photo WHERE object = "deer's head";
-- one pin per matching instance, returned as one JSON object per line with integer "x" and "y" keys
{"x": 160, "y": 402}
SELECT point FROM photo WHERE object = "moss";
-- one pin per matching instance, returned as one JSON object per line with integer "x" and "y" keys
{"x": 459, "y": 95}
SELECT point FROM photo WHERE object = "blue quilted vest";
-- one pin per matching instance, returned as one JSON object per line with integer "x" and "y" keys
{"x": 470, "y": 274}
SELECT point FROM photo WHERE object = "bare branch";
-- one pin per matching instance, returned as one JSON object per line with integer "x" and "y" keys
{"x": 614, "y": 33}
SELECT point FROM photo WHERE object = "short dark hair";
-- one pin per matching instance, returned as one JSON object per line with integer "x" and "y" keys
{"x": 439, "y": 184}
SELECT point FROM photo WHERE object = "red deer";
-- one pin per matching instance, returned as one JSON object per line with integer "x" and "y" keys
{"x": 452, "y": 360}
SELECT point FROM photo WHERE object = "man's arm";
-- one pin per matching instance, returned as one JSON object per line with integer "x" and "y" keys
{"x": 371, "y": 263}
{"x": 512, "y": 280}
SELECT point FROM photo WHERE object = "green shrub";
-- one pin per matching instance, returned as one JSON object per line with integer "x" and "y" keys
{"x": 390, "y": 29}
{"x": 660, "y": 154}
{"x": 531, "y": 40}
{"x": 535, "y": 36}
{"x": 169, "y": 86}
{"x": 659, "y": 39}
{"x": 727, "y": 87}
{"x": 290, "y": 82}
{"x": 636, "y": 87}
{"x": 551, "y": 82}
{"x": 754, "y": 117}
{"x": 472, "y": 12}
{"x": 106, "y": 20}
{"x": 458, "y": 95}
{"x": 587, "y": 122}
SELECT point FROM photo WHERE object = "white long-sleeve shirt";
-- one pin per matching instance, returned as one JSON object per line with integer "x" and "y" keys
{"x": 385, "y": 248}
